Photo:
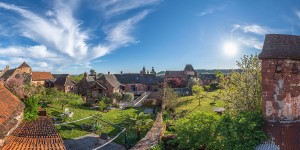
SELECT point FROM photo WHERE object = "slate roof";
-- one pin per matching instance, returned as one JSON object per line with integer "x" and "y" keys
{"x": 136, "y": 78}
{"x": 64, "y": 81}
{"x": 111, "y": 79}
{"x": 58, "y": 75}
{"x": 208, "y": 77}
{"x": 188, "y": 67}
{"x": 24, "y": 64}
{"x": 9, "y": 104}
{"x": 174, "y": 74}
{"x": 38, "y": 76}
{"x": 8, "y": 73}
{"x": 38, "y": 134}
{"x": 281, "y": 46}
{"x": 90, "y": 78}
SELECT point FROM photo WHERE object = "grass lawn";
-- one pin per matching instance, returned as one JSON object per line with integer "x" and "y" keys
{"x": 189, "y": 104}
{"x": 115, "y": 116}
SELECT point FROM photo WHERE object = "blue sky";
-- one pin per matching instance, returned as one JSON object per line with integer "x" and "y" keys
{"x": 113, "y": 35}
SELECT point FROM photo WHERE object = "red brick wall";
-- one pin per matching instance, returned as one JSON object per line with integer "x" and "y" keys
{"x": 281, "y": 90}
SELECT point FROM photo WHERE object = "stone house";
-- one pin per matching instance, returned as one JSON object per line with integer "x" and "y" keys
{"x": 281, "y": 89}
{"x": 208, "y": 79}
{"x": 179, "y": 79}
{"x": 11, "y": 113}
{"x": 111, "y": 84}
{"x": 85, "y": 83}
{"x": 24, "y": 70}
{"x": 40, "y": 78}
{"x": 63, "y": 82}
{"x": 140, "y": 82}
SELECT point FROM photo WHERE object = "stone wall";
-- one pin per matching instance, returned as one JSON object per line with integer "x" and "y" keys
{"x": 281, "y": 90}
{"x": 153, "y": 136}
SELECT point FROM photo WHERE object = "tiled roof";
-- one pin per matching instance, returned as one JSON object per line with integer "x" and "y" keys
{"x": 90, "y": 79}
{"x": 173, "y": 74}
{"x": 189, "y": 67}
{"x": 38, "y": 76}
{"x": 9, "y": 104}
{"x": 58, "y": 75}
{"x": 39, "y": 134}
{"x": 24, "y": 64}
{"x": 208, "y": 77}
{"x": 136, "y": 78}
{"x": 281, "y": 46}
{"x": 111, "y": 79}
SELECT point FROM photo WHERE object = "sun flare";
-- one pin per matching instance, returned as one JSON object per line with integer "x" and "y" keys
{"x": 230, "y": 48}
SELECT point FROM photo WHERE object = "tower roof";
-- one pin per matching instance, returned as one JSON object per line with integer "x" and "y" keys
{"x": 189, "y": 67}
{"x": 24, "y": 64}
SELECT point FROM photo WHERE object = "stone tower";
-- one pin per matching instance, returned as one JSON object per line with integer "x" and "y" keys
{"x": 281, "y": 88}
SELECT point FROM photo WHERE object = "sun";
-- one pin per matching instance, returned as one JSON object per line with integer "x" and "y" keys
{"x": 230, "y": 48}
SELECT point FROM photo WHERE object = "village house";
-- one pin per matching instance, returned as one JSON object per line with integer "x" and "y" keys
{"x": 179, "y": 79}
{"x": 140, "y": 82}
{"x": 23, "y": 71}
{"x": 63, "y": 82}
{"x": 281, "y": 89}
{"x": 208, "y": 79}
{"x": 40, "y": 78}
{"x": 85, "y": 83}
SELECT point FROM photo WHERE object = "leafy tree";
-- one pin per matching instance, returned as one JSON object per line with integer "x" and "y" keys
{"x": 128, "y": 96}
{"x": 199, "y": 93}
{"x": 76, "y": 78}
{"x": 31, "y": 108}
{"x": 116, "y": 96}
{"x": 192, "y": 82}
{"x": 242, "y": 90}
{"x": 92, "y": 72}
{"x": 170, "y": 99}
{"x": 196, "y": 130}
{"x": 141, "y": 122}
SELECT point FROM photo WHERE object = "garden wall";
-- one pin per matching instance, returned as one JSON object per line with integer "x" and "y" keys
{"x": 153, "y": 136}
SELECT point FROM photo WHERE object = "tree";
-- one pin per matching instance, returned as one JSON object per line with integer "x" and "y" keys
{"x": 242, "y": 90}
{"x": 195, "y": 130}
{"x": 101, "y": 105}
{"x": 92, "y": 72}
{"x": 77, "y": 78}
{"x": 170, "y": 99}
{"x": 31, "y": 108}
{"x": 199, "y": 93}
{"x": 128, "y": 96}
{"x": 141, "y": 122}
{"x": 116, "y": 96}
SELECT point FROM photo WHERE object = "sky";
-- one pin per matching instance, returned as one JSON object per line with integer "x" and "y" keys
{"x": 74, "y": 36}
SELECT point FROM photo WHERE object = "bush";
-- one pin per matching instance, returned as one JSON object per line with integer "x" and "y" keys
{"x": 31, "y": 108}
{"x": 101, "y": 105}
{"x": 106, "y": 100}
{"x": 128, "y": 97}
{"x": 117, "y": 96}
{"x": 228, "y": 132}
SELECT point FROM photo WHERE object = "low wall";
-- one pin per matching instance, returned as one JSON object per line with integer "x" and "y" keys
{"x": 153, "y": 136}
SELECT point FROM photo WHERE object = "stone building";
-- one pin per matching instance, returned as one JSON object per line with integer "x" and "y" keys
{"x": 63, "y": 82}
{"x": 11, "y": 113}
{"x": 24, "y": 70}
{"x": 207, "y": 79}
{"x": 179, "y": 79}
{"x": 281, "y": 89}
{"x": 140, "y": 82}
{"x": 40, "y": 78}
{"x": 85, "y": 83}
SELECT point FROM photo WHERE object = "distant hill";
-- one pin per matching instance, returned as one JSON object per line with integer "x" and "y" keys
{"x": 205, "y": 71}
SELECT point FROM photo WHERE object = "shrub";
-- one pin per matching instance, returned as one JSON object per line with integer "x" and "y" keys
{"x": 31, "y": 108}
{"x": 128, "y": 97}
{"x": 101, "y": 105}
{"x": 117, "y": 96}
{"x": 106, "y": 100}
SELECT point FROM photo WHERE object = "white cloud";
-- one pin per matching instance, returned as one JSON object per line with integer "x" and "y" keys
{"x": 62, "y": 41}
{"x": 116, "y": 7}
{"x": 205, "y": 12}
{"x": 251, "y": 42}
{"x": 256, "y": 29}
{"x": 298, "y": 13}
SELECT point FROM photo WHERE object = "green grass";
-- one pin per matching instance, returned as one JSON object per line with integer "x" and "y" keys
{"x": 115, "y": 116}
{"x": 190, "y": 104}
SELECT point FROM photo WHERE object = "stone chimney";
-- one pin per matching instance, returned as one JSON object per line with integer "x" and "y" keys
{"x": 281, "y": 89}
{"x": 121, "y": 72}
{"x": 108, "y": 73}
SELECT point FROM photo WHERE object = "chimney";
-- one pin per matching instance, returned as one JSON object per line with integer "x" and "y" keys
{"x": 95, "y": 75}
{"x": 108, "y": 72}
{"x": 121, "y": 72}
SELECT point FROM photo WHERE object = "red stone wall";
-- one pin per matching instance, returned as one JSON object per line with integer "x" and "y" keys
{"x": 281, "y": 90}
{"x": 140, "y": 87}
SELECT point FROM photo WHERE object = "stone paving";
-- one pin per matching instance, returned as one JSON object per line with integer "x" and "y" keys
{"x": 89, "y": 142}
